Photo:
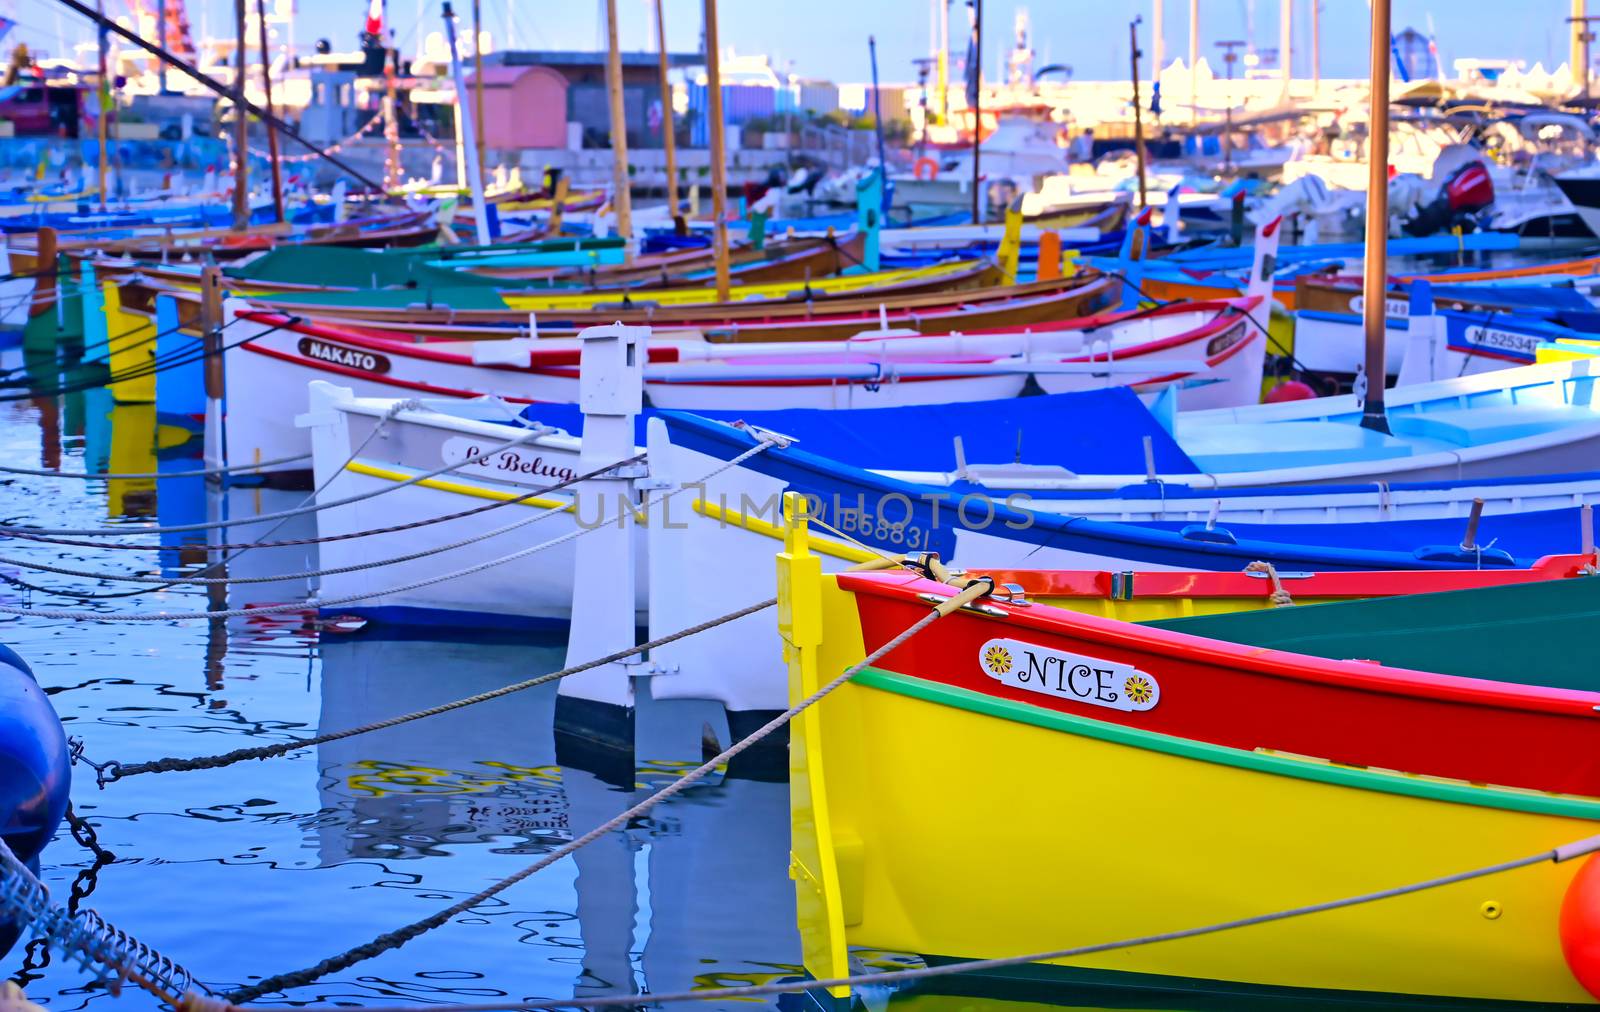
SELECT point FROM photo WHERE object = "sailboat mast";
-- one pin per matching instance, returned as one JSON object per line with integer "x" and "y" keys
{"x": 719, "y": 164}
{"x": 1138, "y": 114}
{"x": 622, "y": 202}
{"x": 477, "y": 79}
{"x": 1286, "y": 45}
{"x": 241, "y": 125}
{"x": 975, "y": 75}
{"x": 669, "y": 137}
{"x": 1158, "y": 39}
{"x": 102, "y": 97}
{"x": 272, "y": 133}
{"x": 1194, "y": 58}
{"x": 465, "y": 131}
{"x": 1316, "y": 47}
{"x": 1375, "y": 271}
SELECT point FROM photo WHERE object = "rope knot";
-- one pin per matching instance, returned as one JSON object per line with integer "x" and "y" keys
{"x": 1279, "y": 598}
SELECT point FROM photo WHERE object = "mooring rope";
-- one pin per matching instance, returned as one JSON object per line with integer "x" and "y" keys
{"x": 334, "y": 571}
{"x": 322, "y": 603}
{"x": 99, "y": 947}
{"x": 183, "y": 357}
{"x": 394, "y": 939}
{"x": 1567, "y": 852}
{"x": 113, "y": 771}
{"x": 284, "y": 514}
{"x": 199, "y": 575}
{"x": 294, "y": 542}
{"x": 199, "y": 472}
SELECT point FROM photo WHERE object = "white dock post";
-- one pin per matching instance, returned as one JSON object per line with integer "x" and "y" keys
{"x": 216, "y": 450}
{"x": 595, "y": 708}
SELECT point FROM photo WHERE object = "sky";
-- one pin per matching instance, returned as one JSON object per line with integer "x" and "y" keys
{"x": 828, "y": 38}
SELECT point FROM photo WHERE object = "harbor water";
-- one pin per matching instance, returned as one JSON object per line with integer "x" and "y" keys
{"x": 264, "y": 867}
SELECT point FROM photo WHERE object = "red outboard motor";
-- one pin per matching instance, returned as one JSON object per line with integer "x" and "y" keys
{"x": 1466, "y": 192}
{"x": 1469, "y": 188}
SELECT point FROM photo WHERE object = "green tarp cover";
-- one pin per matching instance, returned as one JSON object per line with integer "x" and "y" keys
{"x": 351, "y": 268}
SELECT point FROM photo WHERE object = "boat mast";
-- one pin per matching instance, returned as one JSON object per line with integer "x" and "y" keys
{"x": 1583, "y": 35}
{"x": 1575, "y": 60}
{"x": 272, "y": 135}
{"x": 1138, "y": 114}
{"x": 1316, "y": 47}
{"x": 477, "y": 80}
{"x": 1286, "y": 45}
{"x": 669, "y": 138}
{"x": 392, "y": 165}
{"x": 102, "y": 97}
{"x": 719, "y": 167}
{"x": 622, "y": 202}
{"x": 942, "y": 70}
{"x": 1194, "y": 58}
{"x": 465, "y": 130}
{"x": 241, "y": 126}
{"x": 877, "y": 118}
{"x": 975, "y": 76}
{"x": 161, "y": 39}
{"x": 1376, "y": 267}
{"x": 1158, "y": 48}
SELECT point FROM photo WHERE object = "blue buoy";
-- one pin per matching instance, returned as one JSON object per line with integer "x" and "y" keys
{"x": 35, "y": 770}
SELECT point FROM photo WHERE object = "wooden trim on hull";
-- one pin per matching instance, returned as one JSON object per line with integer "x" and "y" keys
{"x": 821, "y": 319}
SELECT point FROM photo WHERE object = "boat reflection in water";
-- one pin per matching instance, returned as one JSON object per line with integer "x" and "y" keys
{"x": 696, "y": 895}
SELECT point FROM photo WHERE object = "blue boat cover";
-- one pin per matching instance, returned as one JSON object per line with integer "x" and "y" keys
{"x": 1093, "y": 432}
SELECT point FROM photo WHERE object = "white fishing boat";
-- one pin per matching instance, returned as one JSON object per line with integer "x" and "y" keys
{"x": 1215, "y": 350}
{"x": 386, "y": 450}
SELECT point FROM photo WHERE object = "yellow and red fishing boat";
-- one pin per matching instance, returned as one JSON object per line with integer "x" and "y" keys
{"x": 1030, "y": 829}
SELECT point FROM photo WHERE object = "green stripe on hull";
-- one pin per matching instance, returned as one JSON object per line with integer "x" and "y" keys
{"x": 1456, "y": 792}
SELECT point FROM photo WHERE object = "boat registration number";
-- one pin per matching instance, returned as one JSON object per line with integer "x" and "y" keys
{"x": 351, "y": 358}
{"x": 1066, "y": 675}
{"x": 1523, "y": 347}
{"x": 1392, "y": 308}
{"x": 1225, "y": 340}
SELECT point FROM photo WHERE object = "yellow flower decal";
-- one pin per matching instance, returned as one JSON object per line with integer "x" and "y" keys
{"x": 997, "y": 659}
{"x": 1138, "y": 688}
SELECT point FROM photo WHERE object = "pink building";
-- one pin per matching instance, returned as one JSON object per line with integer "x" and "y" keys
{"x": 523, "y": 107}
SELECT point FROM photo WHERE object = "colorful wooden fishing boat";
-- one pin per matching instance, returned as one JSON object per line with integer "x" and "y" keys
{"x": 562, "y": 264}
{"x": 1212, "y": 344}
{"x": 772, "y": 262}
{"x": 1464, "y": 634}
{"x": 1220, "y": 691}
{"x": 965, "y": 300}
{"x": 723, "y": 526}
{"x": 1489, "y": 321}
{"x": 1175, "y": 832}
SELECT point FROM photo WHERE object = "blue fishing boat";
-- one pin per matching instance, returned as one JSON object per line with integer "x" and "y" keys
{"x": 1532, "y": 421}
{"x": 966, "y": 523}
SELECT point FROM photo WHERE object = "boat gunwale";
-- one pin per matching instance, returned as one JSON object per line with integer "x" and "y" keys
{"x": 1264, "y": 761}
{"x": 1349, "y": 675}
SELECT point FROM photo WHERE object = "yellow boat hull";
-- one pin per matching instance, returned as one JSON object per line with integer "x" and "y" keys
{"x": 1026, "y": 830}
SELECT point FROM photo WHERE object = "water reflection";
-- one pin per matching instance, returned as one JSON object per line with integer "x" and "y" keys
{"x": 695, "y": 896}
{"x": 329, "y": 847}
{"x": 453, "y": 778}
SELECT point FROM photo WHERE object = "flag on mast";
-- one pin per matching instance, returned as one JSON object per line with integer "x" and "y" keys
{"x": 375, "y": 18}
